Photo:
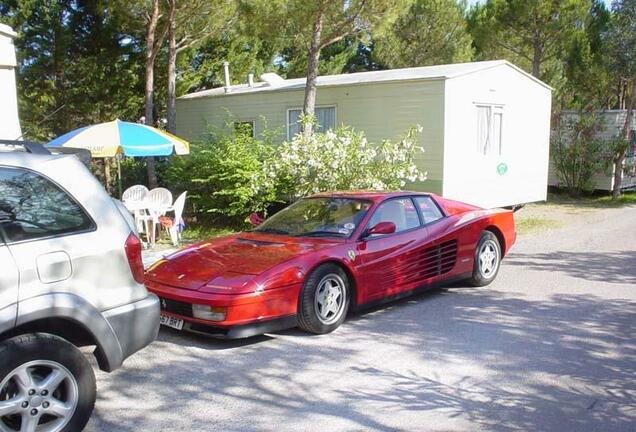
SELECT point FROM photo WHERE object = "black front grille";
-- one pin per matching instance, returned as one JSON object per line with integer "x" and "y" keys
{"x": 176, "y": 307}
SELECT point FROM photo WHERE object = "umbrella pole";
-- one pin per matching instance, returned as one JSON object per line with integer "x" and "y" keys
{"x": 119, "y": 176}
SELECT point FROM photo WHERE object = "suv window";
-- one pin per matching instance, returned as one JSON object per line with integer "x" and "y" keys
{"x": 400, "y": 211}
{"x": 429, "y": 210}
{"x": 32, "y": 207}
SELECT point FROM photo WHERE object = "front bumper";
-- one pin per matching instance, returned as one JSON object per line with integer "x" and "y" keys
{"x": 136, "y": 325}
{"x": 247, "y": 314}
{"x": 240, "y": 331}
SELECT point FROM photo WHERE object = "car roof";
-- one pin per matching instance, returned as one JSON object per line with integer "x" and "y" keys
{"x": 19, "y": 158}
{"x": 371, "y": 195}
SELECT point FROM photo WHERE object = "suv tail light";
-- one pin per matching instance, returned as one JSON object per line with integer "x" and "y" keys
{"x": 133, "y": 253}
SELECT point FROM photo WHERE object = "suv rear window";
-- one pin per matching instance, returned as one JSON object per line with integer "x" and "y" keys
{"x": 32, "y": 207}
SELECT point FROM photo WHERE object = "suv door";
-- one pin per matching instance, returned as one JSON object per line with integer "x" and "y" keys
{"x": 39, "y": 221}
{"x": 8, "y": 285}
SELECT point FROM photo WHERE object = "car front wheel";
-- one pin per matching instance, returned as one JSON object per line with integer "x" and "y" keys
{"x": 46, "y": 385}
{"x": 324, "y": 300}
{"x": 487, "y": 259}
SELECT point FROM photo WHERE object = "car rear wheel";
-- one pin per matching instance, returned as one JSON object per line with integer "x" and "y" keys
{"x": 487, "y": 259}
{"x": 324, "y": 300}
{"x": 46, "y": 385}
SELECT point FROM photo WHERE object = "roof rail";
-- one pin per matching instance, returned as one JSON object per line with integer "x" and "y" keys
{"x": 83, "y": 155}
{"x": 29, "y": 147}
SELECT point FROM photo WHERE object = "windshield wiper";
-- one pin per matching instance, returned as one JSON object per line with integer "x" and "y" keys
{"x": 321, "y": 234}
{"x": 272, "y": 231}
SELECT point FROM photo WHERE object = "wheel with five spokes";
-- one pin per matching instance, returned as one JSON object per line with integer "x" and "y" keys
{"x": 487, "y": 259}
{"x": 324, "y": 300}
{"x": 46, "y": 385}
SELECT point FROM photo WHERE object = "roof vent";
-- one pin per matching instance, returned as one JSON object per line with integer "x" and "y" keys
{"x": 272, "y": 79}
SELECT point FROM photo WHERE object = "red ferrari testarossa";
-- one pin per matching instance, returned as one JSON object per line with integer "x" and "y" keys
{"x": 312, "y": 262}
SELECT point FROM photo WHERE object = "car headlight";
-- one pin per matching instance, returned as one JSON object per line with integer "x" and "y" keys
{"x": 210, "y": 313}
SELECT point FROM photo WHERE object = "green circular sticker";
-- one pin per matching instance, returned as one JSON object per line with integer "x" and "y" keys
{"x": 502, "y": 168}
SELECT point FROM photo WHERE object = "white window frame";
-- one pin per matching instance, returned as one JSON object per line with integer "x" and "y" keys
{"x": 494, "y": 109}
{"x": 335, "y": 115}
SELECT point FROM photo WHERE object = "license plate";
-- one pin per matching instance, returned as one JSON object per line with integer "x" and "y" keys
{"x": 172, "y": 322}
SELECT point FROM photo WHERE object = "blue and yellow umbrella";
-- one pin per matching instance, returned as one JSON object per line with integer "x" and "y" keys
{"x": 119, "y": 137}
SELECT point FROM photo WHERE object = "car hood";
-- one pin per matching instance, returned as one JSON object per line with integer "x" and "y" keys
{"x": 229, "y": 264}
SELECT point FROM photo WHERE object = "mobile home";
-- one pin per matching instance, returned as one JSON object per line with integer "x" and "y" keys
{"x": 613, "y": 122}
{"x": 486, "y": 125}
{"x": 9, "y": 123}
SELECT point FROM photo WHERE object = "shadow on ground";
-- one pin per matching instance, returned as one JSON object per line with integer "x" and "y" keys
{"x": 614, "y": 267}
{"x": 564, "y": 364}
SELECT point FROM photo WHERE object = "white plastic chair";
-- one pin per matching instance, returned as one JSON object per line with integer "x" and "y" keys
{"x": 133, "y": 198}
{"x": 173, "y": 230}
{"x": 135, "y": 193}
{"x": 157, "y": 202}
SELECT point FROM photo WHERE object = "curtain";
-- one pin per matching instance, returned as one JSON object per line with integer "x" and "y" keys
{"x": 483, "y": 130}
{"x": 325, "y": 117}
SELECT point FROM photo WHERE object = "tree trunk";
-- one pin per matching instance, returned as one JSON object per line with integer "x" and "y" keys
{"x": 312, "y": 75}
{"x": 151, "y": 53}
{"x": 619, "y": 161}
{"x": 172, "y": 63}
{"x": 107, "y": 177}
{"x": 536, "y": 58}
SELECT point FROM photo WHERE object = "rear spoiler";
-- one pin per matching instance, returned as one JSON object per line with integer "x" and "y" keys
{"x": 36, "y": 148}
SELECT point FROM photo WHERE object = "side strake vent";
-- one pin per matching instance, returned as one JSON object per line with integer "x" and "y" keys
{"x": 439, "y": 259}
{"x": 423, "y": 264}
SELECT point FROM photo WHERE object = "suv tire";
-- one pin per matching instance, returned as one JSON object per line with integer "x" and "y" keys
{"x": 45, "y": 356}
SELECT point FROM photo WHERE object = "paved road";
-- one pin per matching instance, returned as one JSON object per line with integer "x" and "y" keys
{"x": 550, "y": 346}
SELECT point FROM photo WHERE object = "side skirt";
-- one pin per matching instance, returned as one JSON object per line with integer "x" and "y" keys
{"x": 411, "y": 292}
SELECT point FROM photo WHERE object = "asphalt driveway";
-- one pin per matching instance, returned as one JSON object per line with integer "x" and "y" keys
{"x": 550, "y": 346}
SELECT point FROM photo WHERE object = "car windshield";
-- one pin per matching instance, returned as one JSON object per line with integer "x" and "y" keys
{"x": 318, "y": 217}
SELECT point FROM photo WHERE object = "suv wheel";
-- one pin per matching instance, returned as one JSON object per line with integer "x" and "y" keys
{"x": 46, "y": 384}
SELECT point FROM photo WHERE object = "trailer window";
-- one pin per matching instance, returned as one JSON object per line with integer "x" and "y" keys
{"x": 489, "y": 129}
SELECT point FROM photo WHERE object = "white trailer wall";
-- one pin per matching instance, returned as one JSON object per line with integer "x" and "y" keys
{"x": 9, "y": 123}
{"x": 517, "y": 175}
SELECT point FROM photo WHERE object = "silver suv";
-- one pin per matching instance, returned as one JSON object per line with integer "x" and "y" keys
{"x": 71, "y": 275}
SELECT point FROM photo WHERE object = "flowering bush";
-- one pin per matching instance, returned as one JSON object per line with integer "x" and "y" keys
{"x": 341, "y": 159}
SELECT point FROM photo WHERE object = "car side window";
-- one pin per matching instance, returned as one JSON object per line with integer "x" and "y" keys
{"x": 32, "y": 207}
{"x": 400, "y": 211}
{"x": 428, "y": 209}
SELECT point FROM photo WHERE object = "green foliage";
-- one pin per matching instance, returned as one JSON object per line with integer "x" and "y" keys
{"x": 532, "y": 34}
{"x": 341, "y": 159}
{"x": 428, "y": 32}
{"x": 220, "y": 175}
{"x": 76, "y": 65}
{"x": 621, "y": 38}
{"x": 577, "y": 152}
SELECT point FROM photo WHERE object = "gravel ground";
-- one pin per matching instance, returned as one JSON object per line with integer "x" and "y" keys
{"x": 549, "y": 346}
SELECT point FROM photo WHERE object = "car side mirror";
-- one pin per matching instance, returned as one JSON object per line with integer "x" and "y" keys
{"x": 381, "y": 228}
{"x": 255, "y": 219}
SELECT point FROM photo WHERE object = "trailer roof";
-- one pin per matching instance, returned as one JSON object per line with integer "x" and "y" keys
{"x": 438, "y": 72}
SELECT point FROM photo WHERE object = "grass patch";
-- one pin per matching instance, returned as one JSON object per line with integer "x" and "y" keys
{"x": 596, "y": 200}
{"x": 530, "y": 224}
{"x": 194, "y": 233}
{"x": 626, "y": 198}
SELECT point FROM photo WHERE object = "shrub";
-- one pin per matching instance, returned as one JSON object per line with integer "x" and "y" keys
{"x": 341, "y": 159}
{"x": 219, "y": 176}
{"x": 577, "y": 152}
